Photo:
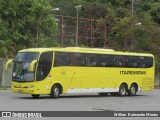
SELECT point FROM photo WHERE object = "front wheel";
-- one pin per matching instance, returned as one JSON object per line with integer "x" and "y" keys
{"x": 123, "y": 90}
{"x": 55, "y": 91}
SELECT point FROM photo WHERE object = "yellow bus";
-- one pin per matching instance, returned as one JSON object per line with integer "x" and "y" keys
{"x": 55, "y": 71}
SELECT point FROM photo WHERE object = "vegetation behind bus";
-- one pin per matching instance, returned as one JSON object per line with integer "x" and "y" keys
{"x": 28, "y": 23}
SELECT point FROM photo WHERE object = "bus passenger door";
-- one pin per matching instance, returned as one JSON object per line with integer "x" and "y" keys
{"x": 65, "y": 65}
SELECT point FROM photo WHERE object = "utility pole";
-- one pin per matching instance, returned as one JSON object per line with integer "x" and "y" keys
{"x": 77, "y": 8}
{"x": 132, "y": 44}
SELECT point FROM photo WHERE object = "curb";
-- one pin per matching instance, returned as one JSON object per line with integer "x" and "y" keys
{"x": 157, "y": 87}
{"x": 5, "y": 88}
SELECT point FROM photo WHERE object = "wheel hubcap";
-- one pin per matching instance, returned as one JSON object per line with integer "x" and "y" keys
{"x": 133, "y": 90}
{"x": 123, "y": 91}
{"x": 56, "y": 91}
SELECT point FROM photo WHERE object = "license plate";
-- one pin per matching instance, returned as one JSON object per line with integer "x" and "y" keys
{"x": 20, "y": 91}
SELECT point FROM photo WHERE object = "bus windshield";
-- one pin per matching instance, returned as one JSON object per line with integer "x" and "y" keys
{"x": 26, "y": 56}
{"x": 21, "y": 72}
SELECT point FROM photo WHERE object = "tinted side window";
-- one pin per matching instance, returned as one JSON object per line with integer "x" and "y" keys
{"x": 141, "y": 62}
{"x": 91, "y": 60}
{"x": 138, "y": 62}
{"x": 44, "y": 65}
{"x": 106, "y": 61}
{"x": 62, "y": 59}
{"x": 77, "y": 59}
{"x": 119, "y": 61}
{"x": 101, "y": 60}
{"x": 131, "y": 61}
{"x": 149, "y": 62}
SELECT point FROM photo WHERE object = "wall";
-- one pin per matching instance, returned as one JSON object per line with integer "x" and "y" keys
{"x": 5, "y": 75}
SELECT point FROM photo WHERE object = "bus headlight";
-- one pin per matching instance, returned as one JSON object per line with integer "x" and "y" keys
{"x": 30, "y": 86}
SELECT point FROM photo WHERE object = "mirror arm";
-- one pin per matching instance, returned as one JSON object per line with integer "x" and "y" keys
{"x": 8, "y": 62}
{"x": 32, "y": 65}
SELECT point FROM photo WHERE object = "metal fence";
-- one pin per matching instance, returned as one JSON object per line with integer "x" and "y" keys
{"x": 88, "y": 32}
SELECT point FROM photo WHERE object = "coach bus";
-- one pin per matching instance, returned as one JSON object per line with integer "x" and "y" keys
{"x": 55, "y": 71}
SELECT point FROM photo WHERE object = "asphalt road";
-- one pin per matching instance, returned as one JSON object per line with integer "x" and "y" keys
{"x": 144, "y": 101}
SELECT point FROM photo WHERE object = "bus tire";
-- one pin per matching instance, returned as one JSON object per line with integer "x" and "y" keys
{"x": 55, "y": 91}
{"x": 133, "y": 90}
{"x": 123, "y": 90}
{"x": 35, "y": 95}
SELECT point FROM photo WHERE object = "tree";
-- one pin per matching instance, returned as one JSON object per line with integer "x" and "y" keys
{"x": 155, "y": 12}
{"x": 27, "y": 23}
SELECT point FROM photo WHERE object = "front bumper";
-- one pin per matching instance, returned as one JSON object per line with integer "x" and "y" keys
{"x": 24, "y": 90}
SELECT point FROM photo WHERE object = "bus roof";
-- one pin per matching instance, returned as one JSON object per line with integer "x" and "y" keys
{"x": 85, "y": 50}
{"x": 67, "y": 49}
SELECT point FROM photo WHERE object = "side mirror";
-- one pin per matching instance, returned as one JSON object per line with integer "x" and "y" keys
{"x": 8, "y": 62}
{"x": 32, "y": 65}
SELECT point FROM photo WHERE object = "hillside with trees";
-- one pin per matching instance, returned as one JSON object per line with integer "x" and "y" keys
{"x": 31, "y": 23}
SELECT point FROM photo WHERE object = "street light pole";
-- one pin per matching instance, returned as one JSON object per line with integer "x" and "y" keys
{"x": 57, "y": 20}
{"x": 132, "y": 25}
{"x": 125, "y": 37}
{"x": 77, "y": 8}
{"x": 132, "y": 7}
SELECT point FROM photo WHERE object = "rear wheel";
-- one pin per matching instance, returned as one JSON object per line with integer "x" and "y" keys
{"x": 35, "y": 95}
{"x": 55, "y": 91}
{"x": 133, "y": 90}
{"x": 123, "y": 90}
